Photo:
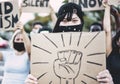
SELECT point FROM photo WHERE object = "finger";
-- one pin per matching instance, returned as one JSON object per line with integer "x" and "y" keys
{"x": 60, "y": 55}
{"x": 102, "y": 73}
{"x": 72, "y": 56}
{"x": 67, "y": 54}
{"x": 103, "y": 80}
{"x": 30, "y": 76}
{"x": 31, "y": 80}
{"x": 78, "y": 58}
{"x": 102, "y": 76}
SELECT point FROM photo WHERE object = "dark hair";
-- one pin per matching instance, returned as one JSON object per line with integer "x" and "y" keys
{"x": 96, "y": 24}
{"x": 114, "y": 42}
{"x": 69, "y": 9}
{"x": 37, "y": 23}
{"x": 45, "y": 29}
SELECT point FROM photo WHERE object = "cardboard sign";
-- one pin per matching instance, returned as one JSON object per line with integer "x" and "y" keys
{"x": 68, "y": 58}
{"x": 114, "y": 2}
{"x": 36, "y": 6}
{"x": 9, "y": 14}
{"x": 89, "y": 5}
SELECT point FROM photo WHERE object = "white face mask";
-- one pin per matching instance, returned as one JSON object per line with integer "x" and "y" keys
{"x": 35, "y": 30}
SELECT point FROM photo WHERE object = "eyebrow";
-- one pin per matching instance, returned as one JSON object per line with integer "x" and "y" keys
{"x": 72, "y": 18}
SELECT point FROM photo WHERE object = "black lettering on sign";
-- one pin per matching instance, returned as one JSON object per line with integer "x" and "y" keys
{"x": 9, "y": 22}
{"x": 35, "y": 3}
{"x": 8, "y": 7}
{"x": 14, "y": 20}
{"x": 41, "y": 3}
{"x": 100, "y": 2}
{"x": 83, "y": 3}
{"x": 7, "y": 17}
{"x": 90, "y": 3}
{"x": 25, "y": 3}
{"x": 46, "y": 3}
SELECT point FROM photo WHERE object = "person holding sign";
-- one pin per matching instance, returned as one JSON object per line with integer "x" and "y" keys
{"x": 36, "y": 26}
{"x": 113, "y": 48}
{"x": 95, "y": 27}
{"x": 70, "y": 19}
{"x": 113, "y": 51}
{"x": 16, "y": 61}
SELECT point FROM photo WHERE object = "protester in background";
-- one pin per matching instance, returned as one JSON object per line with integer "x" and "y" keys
{"x": 114, "y": 11}
{"x": 45, "y": 30}
{"x": 16, "y": 61}
{"x": 113, "y": 49}
{"x": 70, "y": 18}
{"x": 95, "y": 27}
{"x": 36, "y": 27}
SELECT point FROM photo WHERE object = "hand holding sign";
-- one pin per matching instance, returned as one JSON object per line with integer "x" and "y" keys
{"x": 67, "y": 66}
{"x": 19, "y": 25}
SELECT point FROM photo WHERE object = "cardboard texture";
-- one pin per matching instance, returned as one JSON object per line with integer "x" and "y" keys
{"x": 36, "y": 6}
{"x": 89, "y": 5}
{"x": 68, "y": 58}
{"x": 9, "y": 14}
{"x": 114, "y": 2}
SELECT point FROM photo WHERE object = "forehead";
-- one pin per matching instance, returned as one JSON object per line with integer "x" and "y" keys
{"x": 19, "y": 35}
{"x": 37, "y": 26}
{"x": 95, "y": 26}
{"x": 75, "y": 16}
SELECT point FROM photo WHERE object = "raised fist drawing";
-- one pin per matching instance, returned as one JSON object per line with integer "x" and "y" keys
{"x": 67, "y": 65}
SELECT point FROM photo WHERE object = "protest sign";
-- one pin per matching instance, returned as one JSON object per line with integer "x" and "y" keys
{"x": 36, "y": 6}
{"x": 68, "y": 58}
{"x": 89, "y": 5}
{"x": 9, "y": 14}
{"x": 114, "y": 2}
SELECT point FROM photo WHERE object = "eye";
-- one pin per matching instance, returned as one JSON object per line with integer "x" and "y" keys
{"x": 74, "y": 20}
{"x": 17, "y": 39}
{"x": 65, "y": 21}
{"x": 21, "y": 39}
